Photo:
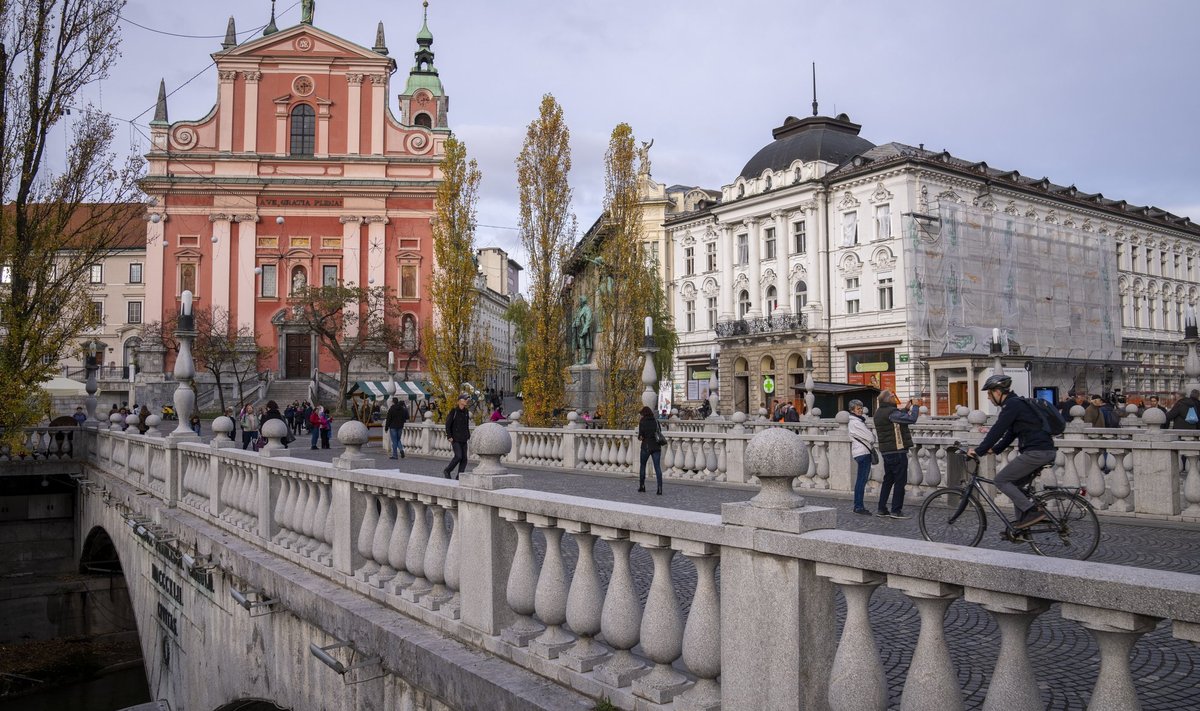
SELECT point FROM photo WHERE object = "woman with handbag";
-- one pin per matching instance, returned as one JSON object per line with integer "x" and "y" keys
{"x": 652, "y": 439}
{"x": 862, "y": 450}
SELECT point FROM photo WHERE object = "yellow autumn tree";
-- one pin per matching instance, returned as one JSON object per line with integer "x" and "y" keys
{"x": 626, "y": 280}
{"x": 457, "y": 350}
{"x": 547, "y": 232}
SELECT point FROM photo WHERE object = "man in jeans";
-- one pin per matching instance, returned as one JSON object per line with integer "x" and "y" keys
{"x": 891, "y": 427}
{"x": 397, "y": 415}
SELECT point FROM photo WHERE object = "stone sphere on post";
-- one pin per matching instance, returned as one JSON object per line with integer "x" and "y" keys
{"x": 776, "y": 456}
{"x": 1077, "y": 413}
{"x": 132, "y": 422}
{"x": 1154, "y": 418}
{"x": 353, "y": 435}
{"x": 222, "y": 427}
{"x": 152, "y": 423}
{"x": 115, "y": 421}
{"x": 977, "y": 418}
{"x": 842, "y": 418}
{"x": 491, "y": 442}
{"x": 572, "y": 420}
{"x": 275, "y": 432}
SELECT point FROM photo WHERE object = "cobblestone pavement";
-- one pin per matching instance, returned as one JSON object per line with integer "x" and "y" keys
{"x": 1166, "y": 670}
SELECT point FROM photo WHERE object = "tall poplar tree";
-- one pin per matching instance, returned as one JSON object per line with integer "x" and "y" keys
{"x": 50, "y": 51}
{"x": 547, "y": 232}
{"x": 627, "y": 280}
{"x": 457, "y": 349}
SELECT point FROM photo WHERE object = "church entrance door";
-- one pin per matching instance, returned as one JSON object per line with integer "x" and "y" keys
{"x": 298, "y": 357}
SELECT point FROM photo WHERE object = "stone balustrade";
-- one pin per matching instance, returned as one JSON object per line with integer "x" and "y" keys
{"x": 699, "y": 611}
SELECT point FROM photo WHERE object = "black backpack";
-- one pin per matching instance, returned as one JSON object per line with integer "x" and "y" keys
{"x": 1052, "y": 420}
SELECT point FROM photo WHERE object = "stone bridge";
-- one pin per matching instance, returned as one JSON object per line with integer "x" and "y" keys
{"x": 259, "y": 576}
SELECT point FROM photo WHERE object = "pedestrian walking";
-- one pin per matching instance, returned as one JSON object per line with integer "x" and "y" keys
{"x": 862, "y": 451}
{"x": 458, "y": 431}
{"x": 892, "y": 429}
{"x": 316, "y": 425}
{"x": 650, "y": 435}
{"x": 397, "y": 416}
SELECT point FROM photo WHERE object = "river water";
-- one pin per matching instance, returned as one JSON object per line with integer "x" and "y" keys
{"x": 113, "y": 691}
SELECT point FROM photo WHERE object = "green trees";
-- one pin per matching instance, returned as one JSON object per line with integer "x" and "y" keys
{"x": 628, "y": 279}
{"x": 54, "y": 227}
{"x": 457, "y": 350}
{"x": 547, "y": 232}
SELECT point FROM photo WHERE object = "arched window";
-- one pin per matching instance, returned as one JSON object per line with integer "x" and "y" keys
{"x": 772, "y": 301}
{"x": 743, "y": 303}
{"x": 304, "y": 130}
{"x": 801, "y": 293}
{"x": 423, "y": 120}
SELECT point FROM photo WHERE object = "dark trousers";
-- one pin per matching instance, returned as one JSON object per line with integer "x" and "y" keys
{"x": 862, "y": 474}
{"x": 895, "y": 478}
{"x": 1017, "y": 469}
{"x": 248, "y": 438}
{"x": 459, "y": 460}
{"x": 325, "y": 437}
{"x": 656, "y": 455}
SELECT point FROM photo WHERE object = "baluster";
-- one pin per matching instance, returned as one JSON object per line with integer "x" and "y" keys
{"x": 931, "y": 681}
{"x": 702, "y": 635}
{"x": 584, "y": 601}
{"x": 379, "y": 542}
{"x": 688, "y": 465}
{"x": 934, "y": 466}
{"x": 366, "y": 537}
{"x": 822, "y": 481}
{"x": 451, "y": 608}
{"x": 1115, "y": 633}
{"x": 857, "y": 680}
{"x": 668, "y": 457}
{"x": 1095, "y": 479}
{"x": 293, "y": 512}
{"x": 1120, "y": 488}
{"x": 621, "y": 616}
{"x": 279, "y": 515}
{"x": 722, "y": 460}
{"x": 1191, "y": 485}
{"x": 662, "y": 626}
{"x": 325, "y": 512}
{"x": 1070, "y": 477}
{"x": 1013, "y": 684}
{"x": 308, "y": 522}
{"x": 550, "y": 597}
{"x": 710, "y": 461}
{"x": 398, "y": 547}
{"x": 522, "y": 583}
{"x": 414, "y": 557}
{"x": 435, "y": 559}
{"x": 915, "y": 467}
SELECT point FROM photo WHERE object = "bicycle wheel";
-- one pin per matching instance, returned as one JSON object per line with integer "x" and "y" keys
{"x": 1076, "y": 533}
{"x": 942, "y": 521}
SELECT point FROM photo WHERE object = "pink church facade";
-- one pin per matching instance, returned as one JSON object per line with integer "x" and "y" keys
{"x": 300, "y": 174}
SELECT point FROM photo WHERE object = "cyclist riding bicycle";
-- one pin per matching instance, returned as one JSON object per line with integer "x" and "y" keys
{"x": 1017, "y": 420}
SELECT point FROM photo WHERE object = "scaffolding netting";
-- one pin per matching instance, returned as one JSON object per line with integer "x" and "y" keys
{"x": 1050, "y": 288}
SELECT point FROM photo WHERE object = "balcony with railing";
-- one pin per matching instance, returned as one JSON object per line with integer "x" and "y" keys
{"x": 774, "y": 324}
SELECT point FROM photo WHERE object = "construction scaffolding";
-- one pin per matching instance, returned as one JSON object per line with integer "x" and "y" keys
{"x": 1051, "y": 289}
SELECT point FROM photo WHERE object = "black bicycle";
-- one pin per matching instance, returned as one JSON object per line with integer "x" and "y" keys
{"x": 954, "y": 515}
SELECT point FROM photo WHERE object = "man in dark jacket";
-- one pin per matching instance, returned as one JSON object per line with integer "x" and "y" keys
{"x": 397, "y": 415}
{"x": 1177, "y": 416}
{"x": 1073, "y": 398}
{"x": 458, "y": 431}
{"x": 1017, "y": 420}
{"x": 891, "y": 426}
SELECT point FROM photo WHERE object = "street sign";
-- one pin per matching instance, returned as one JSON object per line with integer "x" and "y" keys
{"x": 768, "y": 384}
{"x": 903, "y": 357}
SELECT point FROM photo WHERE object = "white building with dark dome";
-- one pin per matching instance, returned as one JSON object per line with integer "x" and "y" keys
{"x": 893, "y": 264}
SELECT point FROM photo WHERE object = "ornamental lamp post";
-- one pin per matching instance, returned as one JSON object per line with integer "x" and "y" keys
{"x": 649, "y": 376}
{"x": 185, "y": 369}
{"x": 91, "y": 367}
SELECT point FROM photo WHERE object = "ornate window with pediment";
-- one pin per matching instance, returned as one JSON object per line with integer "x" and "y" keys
{"x": 772, "y": 301}
{"x": 801, "y": 296}
{"x": 303, "y": 130}
{"x": 743, "y": 303}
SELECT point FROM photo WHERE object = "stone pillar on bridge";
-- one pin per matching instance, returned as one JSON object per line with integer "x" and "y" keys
{"x": 487, "y": 542}
{"x": 778, "y": 635}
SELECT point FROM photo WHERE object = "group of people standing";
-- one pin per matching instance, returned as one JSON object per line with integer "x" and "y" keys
{"x": 893, "y": 439}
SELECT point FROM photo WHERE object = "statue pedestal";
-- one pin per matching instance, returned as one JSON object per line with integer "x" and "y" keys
{"x": 585, "y": 389}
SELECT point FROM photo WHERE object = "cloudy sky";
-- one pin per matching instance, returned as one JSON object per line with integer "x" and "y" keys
{"x": 1099, "y": 93}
